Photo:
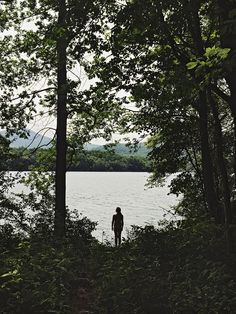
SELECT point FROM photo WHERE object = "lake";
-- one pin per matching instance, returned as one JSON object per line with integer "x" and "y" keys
{"x": 97, "y": 194}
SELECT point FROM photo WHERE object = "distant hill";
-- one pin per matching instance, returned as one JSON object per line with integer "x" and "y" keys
{"x": 89, "y": 147}
{"x": 141, "y": 150}
{"x": 34, "y": 140}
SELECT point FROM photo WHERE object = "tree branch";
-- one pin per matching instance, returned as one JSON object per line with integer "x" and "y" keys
{"x": 35, "y": 92}
{"x": 220, "y": 93}
{"x": 47, "y": 128}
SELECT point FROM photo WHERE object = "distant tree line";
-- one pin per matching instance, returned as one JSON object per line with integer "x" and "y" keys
{"x": 81, "y": 161}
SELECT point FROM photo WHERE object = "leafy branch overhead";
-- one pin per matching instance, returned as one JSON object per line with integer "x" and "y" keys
{"x": 211, "y": 66}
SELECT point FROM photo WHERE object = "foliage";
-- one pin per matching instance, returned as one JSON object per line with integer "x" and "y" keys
{"x": 162, "y": 68}
{"x": 169, "y": 270}
{"x": 170, "y": 64}
{"x": 37, "y": 274}
{"x": 107, "y": 160}
{"x": 181, "y": 267}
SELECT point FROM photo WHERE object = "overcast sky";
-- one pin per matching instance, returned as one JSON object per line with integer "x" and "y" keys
{"x": 39, "y": 123}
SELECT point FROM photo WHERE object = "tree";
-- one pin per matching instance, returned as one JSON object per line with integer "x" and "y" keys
{"x": 166, "y": 56}
{"x": 60, "y": 206}
{"x": 61, "y": 34}
{"x": 227, "y": 32}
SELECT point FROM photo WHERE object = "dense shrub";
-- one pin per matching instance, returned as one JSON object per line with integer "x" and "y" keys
{"x": 38, "y": 274}
{"x": 171, "y": 270}
{"x": 178, "y": 268}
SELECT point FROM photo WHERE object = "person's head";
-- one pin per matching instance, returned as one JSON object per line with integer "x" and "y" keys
{"x": 118, "y": 210}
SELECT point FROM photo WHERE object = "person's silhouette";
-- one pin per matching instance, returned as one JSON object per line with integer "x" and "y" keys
{"x": 117, "y": 225}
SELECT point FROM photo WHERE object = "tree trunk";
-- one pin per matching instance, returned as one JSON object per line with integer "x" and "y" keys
{"x": 207, "y": 167}
{"x": 221, "y": 162}
{"x": 228, "y": 40}
{"x": 60, "y": 206}
{"x": 231, "y": 80}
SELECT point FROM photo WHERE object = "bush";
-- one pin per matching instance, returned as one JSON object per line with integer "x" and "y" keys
{"x": 168, "y": 270}
{"x": 38, "y": 274}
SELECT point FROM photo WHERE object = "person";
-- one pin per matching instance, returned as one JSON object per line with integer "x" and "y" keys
{"x": 117, "y": 225}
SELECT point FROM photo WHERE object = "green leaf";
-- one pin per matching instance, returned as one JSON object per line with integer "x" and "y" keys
{"x": 192, "y": 65}
{"x": 10, "y": 273}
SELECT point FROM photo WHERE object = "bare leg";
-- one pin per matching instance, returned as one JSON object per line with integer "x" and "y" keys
{"x": 119, "y": 237}
{"x": 115, "y": 239}
{"x": 119, "y": 240}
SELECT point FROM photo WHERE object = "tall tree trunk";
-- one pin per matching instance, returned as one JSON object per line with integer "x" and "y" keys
{"x": 228, "y": 40}
{"x": 194, "y": 24}
{"x": 224, "y": 176}
{"x": 207, "y": 164}
{"x": 207, "y": 167}
{"x": 231, "y": 80}
{"x": 221, "y": 161}
{"x": 60, "y": 206}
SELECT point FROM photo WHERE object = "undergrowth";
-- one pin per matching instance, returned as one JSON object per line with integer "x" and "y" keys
{"x": 174, "y": 269}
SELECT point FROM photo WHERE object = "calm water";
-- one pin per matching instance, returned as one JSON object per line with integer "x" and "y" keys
{"x": 97, "y": 194}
